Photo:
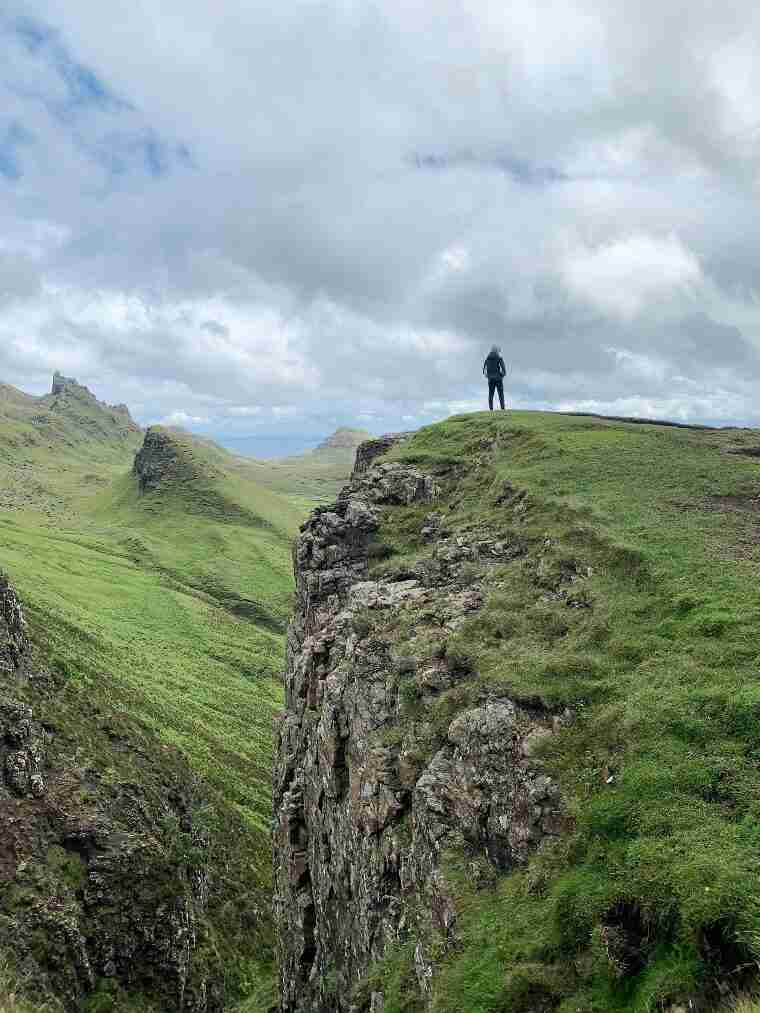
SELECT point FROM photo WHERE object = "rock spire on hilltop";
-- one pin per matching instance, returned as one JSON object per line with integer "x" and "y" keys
{"x": 158, "y": 460}
{"x": 63, "y": 384}
{"x": 67, "y": 386}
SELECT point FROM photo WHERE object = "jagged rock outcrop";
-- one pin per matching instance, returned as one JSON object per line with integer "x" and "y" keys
{"x": 368, "y": 795}
{"x": 67, "y": 387}
{"x": 62, "y": 383}
{"x": 368, "y": 451}
{"x": 171, "y": 456}
{"x": 157, "y": 460}
{"x": 104, "y": 876}
{"x": 14, "y": 644}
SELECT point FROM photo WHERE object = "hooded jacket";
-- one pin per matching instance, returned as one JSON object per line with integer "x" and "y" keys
{"x": 494, "y": 367}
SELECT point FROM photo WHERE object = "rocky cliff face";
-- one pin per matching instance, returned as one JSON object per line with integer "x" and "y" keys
{"x": 157, "y": 460}
{"x": 104, "y": 865}
{"x": 170, "y": 456}
{"x": 368, "y": 451}
{"x": 370, "y": 797}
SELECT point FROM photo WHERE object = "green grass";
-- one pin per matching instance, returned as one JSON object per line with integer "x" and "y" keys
{"x": 203, "y": 679}
{"x": 306, "y": 479}
{"x": 658, "y": 662}
{"x": 744, "y": 1004}
{"x": 183, "y": 609}
{"x": 170, "y": 607}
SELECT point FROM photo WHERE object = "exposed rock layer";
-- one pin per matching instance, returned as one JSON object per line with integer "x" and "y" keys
{"x": 368, "y": 451}
{"x": 368, "y": 802}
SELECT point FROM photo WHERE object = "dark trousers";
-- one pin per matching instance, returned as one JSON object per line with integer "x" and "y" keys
{"x": 495, "y": 383}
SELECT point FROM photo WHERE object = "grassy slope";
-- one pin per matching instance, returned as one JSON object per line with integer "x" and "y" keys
{"x": 659, "y": 769}
{"x": 184, "y": 610}
{"x": 308, "y": 479}
{"x": 170, "y": 605}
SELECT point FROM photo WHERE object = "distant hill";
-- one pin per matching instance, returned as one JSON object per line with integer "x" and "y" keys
{"x": 344, "y": 439}
{"x": 314, "y": 477}
{"x": 55, "y": 448}
{"x": 70, "y": 414}
{"x": 9, "y": 396}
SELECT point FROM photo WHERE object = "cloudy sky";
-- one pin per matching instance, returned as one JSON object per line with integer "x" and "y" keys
{"x": 249, "y": 217}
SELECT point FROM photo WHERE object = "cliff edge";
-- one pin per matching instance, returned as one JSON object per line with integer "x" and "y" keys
{"x": 364, "y": 816}
{"x": 518, "y": 721}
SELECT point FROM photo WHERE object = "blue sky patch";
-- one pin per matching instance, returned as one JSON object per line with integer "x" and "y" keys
{"x": 12, "y": 138}
{"x": 120, "y": 153}
{"x": 123, "y": 144}
{"x": 32, "y": 34}
{"x": 156, "y": 156}
{"x": 83, "y": 86}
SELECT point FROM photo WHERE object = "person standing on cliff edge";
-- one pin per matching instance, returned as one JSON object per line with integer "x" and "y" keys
{"x": 495, "y": 370}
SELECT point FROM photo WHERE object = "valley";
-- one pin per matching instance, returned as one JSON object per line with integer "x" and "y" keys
{"x": 162, "y": 596}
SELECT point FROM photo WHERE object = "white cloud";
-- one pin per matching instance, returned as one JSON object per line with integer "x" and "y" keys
{"x": 240, "y": 226}
{"x": 629, "y": 275}
{"x": 456, "y": 258}
{"x": 642, "y": 366}
{"x": 720, "y": 407}
{"x": 245, "y": 411}
{"x": 180, "y": 418}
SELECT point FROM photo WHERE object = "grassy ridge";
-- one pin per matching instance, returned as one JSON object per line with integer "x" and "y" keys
{"x": 651, "y": 533}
